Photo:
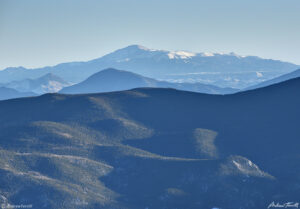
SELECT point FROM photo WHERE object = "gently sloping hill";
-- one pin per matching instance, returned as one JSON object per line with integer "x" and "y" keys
{"x": 110, "y": 79}
{"x": 155, "y": 148}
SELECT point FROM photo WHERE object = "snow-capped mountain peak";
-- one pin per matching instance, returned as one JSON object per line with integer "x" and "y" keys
{"x": 137, "y": 47}
{"x": 176, "y": 54}
{"x": 145, "y": 48}
{"x": 221, "y": 69}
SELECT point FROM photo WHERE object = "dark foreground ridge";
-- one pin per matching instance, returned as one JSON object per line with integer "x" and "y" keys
{"x": 152, "y": 148}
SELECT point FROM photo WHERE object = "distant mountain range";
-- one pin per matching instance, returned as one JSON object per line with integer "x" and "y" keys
{"x": 224, "y": 70}
{"x": 152, "y": 148}
{"x": 48, "y": 83}
{"x": 285, "y": 77}
{"x": 7, "y": 93}
{"x": 116, "y": 80}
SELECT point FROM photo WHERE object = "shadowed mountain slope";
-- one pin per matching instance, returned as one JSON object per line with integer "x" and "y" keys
{"x": 117, "y": 80}
{"x": 152, "y": 148}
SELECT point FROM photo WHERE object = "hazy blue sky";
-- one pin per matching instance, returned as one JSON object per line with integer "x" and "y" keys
{"x": 46, "y": 32}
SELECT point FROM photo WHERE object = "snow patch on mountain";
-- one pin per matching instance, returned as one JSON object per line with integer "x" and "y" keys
{"x": 181, "y": 55}
{"x": 239, "y": 165}
{"x": 124, "y": 60}
{"x": 207, "y": 54}
{"x": 145, "y": 48}
{"x": 259, "y": 74}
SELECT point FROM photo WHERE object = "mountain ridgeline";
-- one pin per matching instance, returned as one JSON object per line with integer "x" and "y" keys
{"x": 117, "y": 80}
{"x": 48, "y": 83}
{"x": 8, "y": 93}
{"x": 152, "y": 148}
{"x": 224, "y": 70}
